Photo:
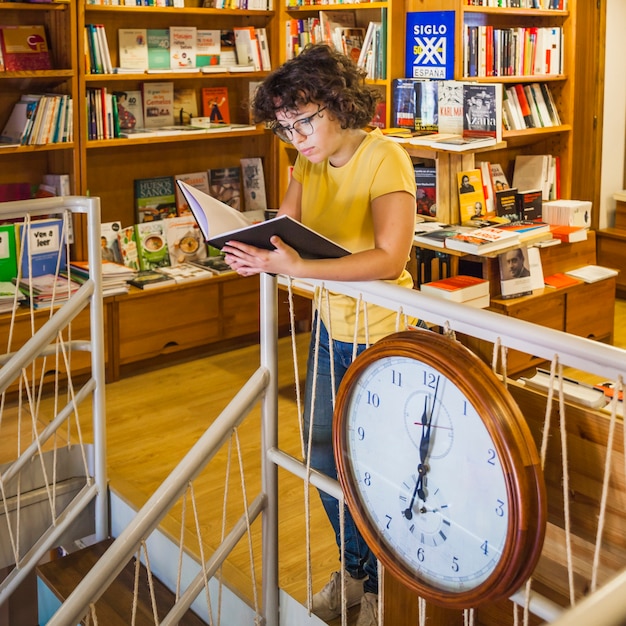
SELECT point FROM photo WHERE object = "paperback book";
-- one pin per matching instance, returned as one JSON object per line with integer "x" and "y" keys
{"x": 253, "y": 181}
{"x": 199, "y": 180}
{"x": 109, "y": 232}
{"x": 182, "y": 47}
{"x": 24, "y": 48}
{"x": 482, "y": 110}
{"x": 158, "y": 48}
{"x": 133, "y": 48}
{"x": 225, "y": 186}
{"x": 215, "y": 104}
{"x": 472, "y": 204}
{"x": 42, "y": 247}
{"x": 482, "y": 240}
{"x": 158, "y": 104}
{"x": 184, "y": 240}
{"x": 152, "y": 245}
{"x": 457, "y": 288}
{"x": 221, "y": 223}
{"x": 515, "y": 278}
{"x": 8, "y": 252}
{"x": 155, "y": 198}
{"x": 426, "y": 190}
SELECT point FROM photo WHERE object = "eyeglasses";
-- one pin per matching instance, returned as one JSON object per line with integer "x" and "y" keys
{"x": 303, "y": 127}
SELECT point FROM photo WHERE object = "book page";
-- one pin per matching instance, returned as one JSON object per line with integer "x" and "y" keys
{"x": 213, "y": 217}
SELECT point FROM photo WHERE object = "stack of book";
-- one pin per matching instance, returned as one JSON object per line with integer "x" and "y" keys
{"x": 115, "y": 276}
{"x": 47, "y": 290}
{"x": 8, "y": 296}
{"x": 468, "y": 290}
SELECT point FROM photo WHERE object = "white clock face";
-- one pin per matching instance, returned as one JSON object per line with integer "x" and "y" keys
{"x": 427, "y": 472}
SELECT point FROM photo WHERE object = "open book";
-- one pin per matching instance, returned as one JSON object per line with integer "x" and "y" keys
{"x": 220, "y": 223}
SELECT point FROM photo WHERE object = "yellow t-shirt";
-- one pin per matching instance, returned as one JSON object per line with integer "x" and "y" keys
{"x": 336, "y": 202}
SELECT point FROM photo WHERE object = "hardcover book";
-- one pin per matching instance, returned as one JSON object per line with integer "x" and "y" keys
{"x": 482, "y": 110}
{"x": 182, "y": 47}
{"x": 253, "y": 182}
{"x": 529, "y": 204}
{"x": 150, "y": 279}
{"x": 151, "y": 245}
{"x": 215, "y": 104}
{"x": 158, "y": 104}
{"x": 225, "y": 186}
{"x": 158, "y": 48}
{"x": 426, "y": 190}
{"x": 24, "y": 48}
{"x": 133, "y": 48}
{"x": 220, "y": 223}
{"x": 457, "y": 288}
{"x": 155, "y": 198}
{"x": 515, "y": 279}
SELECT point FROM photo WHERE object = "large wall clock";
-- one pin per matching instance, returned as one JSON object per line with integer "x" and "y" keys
{"x": 439, "y": 469}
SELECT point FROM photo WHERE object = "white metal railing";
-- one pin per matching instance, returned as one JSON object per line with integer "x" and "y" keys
{"x": 41, "y": 344}
{"x": 599, "y": 359}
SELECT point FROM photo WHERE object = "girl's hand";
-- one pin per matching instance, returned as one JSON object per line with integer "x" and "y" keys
{"x": 248, "y": 260}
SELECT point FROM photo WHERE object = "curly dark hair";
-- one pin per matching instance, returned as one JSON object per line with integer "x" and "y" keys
{"x": 322, "y": 75}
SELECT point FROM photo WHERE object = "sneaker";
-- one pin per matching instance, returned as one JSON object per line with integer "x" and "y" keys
{"x": 327, "y": 602}
{"x": 368, "y": 615}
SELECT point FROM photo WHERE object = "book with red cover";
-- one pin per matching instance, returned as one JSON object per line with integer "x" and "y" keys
{"x": 25, "y": 48}
{"x": 560, "y": 280}
{"x": 569, "y": 234}
{"x": 457, "y": 288}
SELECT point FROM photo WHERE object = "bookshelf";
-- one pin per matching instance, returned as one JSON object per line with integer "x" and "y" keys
{"x": 29, "y": 163}
{"x": 389, "y": 13}
{"x": 575, "y": 89}
{"x": 123, "y": 160}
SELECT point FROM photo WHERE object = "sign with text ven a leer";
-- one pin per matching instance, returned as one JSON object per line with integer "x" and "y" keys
{"x": 430, "y": 44}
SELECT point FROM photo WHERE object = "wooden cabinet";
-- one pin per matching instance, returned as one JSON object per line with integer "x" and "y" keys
{"x": 29, "y": 163}
{"x": 223, "y": 312}
{"x": 584, "y": 309}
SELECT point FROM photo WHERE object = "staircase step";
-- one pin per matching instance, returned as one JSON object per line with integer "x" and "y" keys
{"x": 115, "y": 606}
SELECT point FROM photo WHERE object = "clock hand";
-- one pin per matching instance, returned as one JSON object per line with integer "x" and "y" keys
{"x": 422, "y": 468}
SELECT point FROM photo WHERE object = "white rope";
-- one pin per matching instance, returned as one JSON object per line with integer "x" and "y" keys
{"x": 566, "y": 497}
{"x": 155, "y": 613}
{"x": 605, "y": 487}
{"x": 296, "y": 368}
{"x": 201, "y": 550}
{"x": 244, "y": 496}
{"x": 307, "y": 504}
{"x": 181, "y": 541}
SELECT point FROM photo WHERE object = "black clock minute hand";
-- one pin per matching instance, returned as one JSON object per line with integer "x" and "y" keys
{"x": 422, "y": 468}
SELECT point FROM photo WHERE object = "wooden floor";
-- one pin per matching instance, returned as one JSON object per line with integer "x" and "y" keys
{"x": 154, "y": 417}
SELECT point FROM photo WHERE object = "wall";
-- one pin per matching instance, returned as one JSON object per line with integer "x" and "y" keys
{"x": 614, "y": 124}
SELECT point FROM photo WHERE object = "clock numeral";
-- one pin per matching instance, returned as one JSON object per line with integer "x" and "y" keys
{"x": 421, "y": 555}
{"x": 396, "y": 378}
{"x": 373, "y": 399}
{"x": 430, "y": 379}
{"x": 485, "y": 548}
{"x": 367, "y": 479}
{"x": 360, "y": 431}
{"x": 455, "y": 564}
{"x": 491, "y": 456}
{"x": 500, "y": 508}
{"x": 388, "y": 521}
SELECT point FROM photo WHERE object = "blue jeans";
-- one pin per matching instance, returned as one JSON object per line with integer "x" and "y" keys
{"x": 359, "y": 560}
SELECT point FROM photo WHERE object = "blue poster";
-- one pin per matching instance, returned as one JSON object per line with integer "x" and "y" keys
{"x": 430, "y": 44}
